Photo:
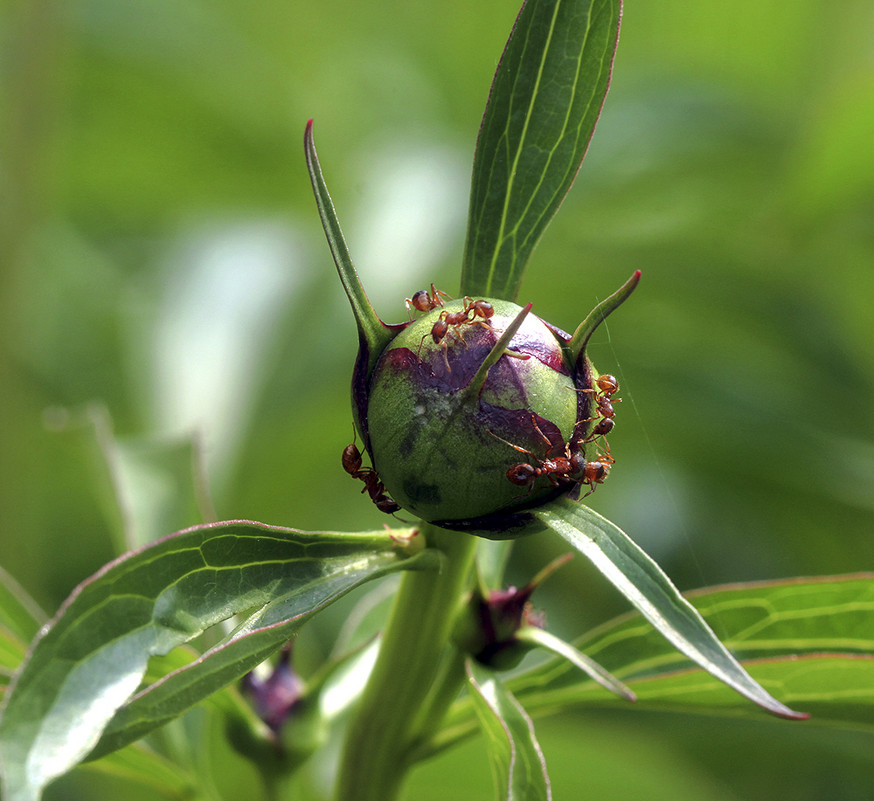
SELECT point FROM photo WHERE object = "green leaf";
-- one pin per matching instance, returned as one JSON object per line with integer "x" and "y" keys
{"x": 518, "y": 766}
{"x": 577, "y": 343}
{"x": 20, "y": 620}
{"x": 644, "y": 583}
{"x": 545, "y": 100}
{"x": 87, "y": 664}
{"x": 811, "y": 639}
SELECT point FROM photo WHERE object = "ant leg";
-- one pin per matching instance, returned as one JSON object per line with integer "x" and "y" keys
{"x": 445, "y": 354}
{"x": 521, "y": 450}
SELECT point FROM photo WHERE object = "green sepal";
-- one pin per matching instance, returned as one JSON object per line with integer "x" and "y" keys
{"x": 373, "y": 333}
{"x": 500, "y": 348}
{"x": 577, "y": 343}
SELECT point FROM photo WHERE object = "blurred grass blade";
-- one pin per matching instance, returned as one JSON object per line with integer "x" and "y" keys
{"x": 518, "y": 766}
{"x": 19, "y": 613}
{"x": 142, "y": 766}
{"x": 644, "y": 583}
{"x": 91, "y": 659}
{"x": 148, "y": 486}
{"x": 544, "y": 102}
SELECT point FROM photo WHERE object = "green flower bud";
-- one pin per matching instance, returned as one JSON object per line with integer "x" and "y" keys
{"x": 444, "y": 438}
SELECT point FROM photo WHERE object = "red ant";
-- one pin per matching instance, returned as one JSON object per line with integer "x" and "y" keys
{"x": 351, "y": 460}
{"x": 596, "y": 472}
{"x": 471, "y": 310}
{"x": 606, "y": 386}
{"x": 425, "y": 301}
{"x": 567, "y": 466}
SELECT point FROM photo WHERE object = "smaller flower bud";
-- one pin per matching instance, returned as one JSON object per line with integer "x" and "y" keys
{"x": 275, "y": 696}
{"x": 489, "y": 627}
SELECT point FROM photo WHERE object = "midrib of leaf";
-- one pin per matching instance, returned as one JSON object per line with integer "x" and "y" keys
{"x": 502, "y": 237}
{"x": 552, "y": 151}
{"x": 530, "y": 146}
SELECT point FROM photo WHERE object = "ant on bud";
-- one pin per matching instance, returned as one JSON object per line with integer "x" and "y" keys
{"x": 452, "y": 321}
{"x": 606, "y": 386}
{"x": 595, "y": 472}
{"x": 556, "y": 469}
{"x": 351, "y": 461}
{"x": 425, "y": 301}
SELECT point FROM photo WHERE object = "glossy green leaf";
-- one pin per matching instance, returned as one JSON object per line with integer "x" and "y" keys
{"x": 517, "y": 762}
{"x": 644, "y": 583}
{"x": 545, "y": 100}
{"x": 756, "y": 620}
{"x": 835, "y": 689}
{"x": 79, "y": 680}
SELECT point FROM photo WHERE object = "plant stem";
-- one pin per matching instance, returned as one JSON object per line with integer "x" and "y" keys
{"x": 414, "y": 644}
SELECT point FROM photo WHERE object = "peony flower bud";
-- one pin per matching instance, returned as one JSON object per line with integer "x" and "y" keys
{"x": 448, "y": 442}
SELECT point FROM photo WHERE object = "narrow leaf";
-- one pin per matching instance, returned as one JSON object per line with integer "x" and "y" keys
{"x": 518, "y": 766}
{"x": 644, "y": 583}
{"x": 545, "y": 100}
{"x": 577, "y": 658}
{"x": 91, "y": 659}
{"x": 148, "y": 485}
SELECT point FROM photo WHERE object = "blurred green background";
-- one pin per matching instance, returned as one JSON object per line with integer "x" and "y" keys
{"x": 162, "y": 257}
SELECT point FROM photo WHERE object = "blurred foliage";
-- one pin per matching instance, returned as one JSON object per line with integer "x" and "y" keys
{"x": 160, "y": 254}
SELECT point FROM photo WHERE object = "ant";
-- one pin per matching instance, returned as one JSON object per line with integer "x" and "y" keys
{"x": 596, "y": 472}
{"x": 351, "y": 460}
{"x": 425, "y": 301}
{"x": 606, "y": 386}
{"x": 470, "y": 311}
{"x": 567, "y": 466}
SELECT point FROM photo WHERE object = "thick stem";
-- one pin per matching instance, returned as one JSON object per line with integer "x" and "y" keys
{"x": 416, "y": 638}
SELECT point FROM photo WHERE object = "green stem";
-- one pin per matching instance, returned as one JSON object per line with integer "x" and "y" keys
{"x": 414, "y": 644}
